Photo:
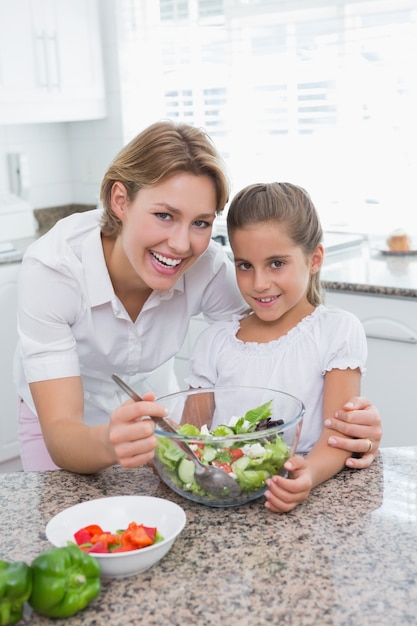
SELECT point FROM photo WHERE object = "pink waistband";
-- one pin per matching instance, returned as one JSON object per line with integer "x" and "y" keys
{"x": 33, "y": 451}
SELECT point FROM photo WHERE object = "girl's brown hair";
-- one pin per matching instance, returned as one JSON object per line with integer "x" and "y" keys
{"x": 161, "y": 150}
{"x": 291, "y": 206}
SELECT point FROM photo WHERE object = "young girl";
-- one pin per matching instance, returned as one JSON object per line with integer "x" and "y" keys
{"x": 288, "y": 340}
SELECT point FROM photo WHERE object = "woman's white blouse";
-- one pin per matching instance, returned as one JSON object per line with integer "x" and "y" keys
{"x": 295, "y": 363}
{"x": 71, "y": 322}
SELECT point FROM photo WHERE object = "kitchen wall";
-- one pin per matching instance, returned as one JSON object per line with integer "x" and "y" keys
{"x": 67, "y": 160}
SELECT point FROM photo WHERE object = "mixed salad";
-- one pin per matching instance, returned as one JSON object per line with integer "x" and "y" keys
{"x": 249, "y": 462}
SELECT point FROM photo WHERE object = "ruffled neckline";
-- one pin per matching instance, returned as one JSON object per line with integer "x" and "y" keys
{"x": 292, "y": 335}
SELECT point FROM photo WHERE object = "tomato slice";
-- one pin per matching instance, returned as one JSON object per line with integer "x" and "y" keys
{"x": 236, "y": 453}
{"x": 226, "y": 467}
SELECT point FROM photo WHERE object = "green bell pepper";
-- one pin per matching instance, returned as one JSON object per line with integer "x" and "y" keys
{"x": 15, "y": 589}
{"x": 64, "y": 581}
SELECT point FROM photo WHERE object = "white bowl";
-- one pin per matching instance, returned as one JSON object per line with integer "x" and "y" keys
{"x": 117, "y": 512}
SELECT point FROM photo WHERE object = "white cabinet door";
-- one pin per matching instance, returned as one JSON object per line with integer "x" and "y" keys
{"x": 391, "y": 376}
{"x": 9, "y": 448}
{"x": 51, "y": 66}
{"x": 18, "y": 74}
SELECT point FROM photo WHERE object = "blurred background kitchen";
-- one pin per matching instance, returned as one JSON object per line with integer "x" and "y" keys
{"x": 319, "y": 92}
{"x": 322, "y": 93}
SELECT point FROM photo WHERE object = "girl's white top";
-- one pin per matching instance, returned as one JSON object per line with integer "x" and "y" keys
{"x": 71, "y": 322}
{"x": 295, "y": 363}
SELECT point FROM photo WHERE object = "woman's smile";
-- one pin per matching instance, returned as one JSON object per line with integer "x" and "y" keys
{"x": 164, "y": 263}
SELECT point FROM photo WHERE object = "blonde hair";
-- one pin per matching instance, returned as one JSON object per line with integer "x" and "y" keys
{"x": 289, "y": 205}
{"x": 161, "y": 150}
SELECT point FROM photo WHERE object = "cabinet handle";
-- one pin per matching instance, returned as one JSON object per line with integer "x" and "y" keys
{"x": 389, "y": 330}
{"x": 41, "y": 60}
{"x": 52, "y": 61}
{"x": 412, "y": 340}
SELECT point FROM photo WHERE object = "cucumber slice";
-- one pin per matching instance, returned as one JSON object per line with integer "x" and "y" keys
{"x": 185, "y": 471}
{"x": 241, "y": 464}
{"x": 209, "y": 454}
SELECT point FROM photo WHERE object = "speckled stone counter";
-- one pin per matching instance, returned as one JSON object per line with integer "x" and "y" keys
{"x": 364, "y": 269}
{"x": 46, "y": 218}
{"x": 347, "y": 556}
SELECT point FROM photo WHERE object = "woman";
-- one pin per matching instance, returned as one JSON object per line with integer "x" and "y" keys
{"x": 114, "y": 292}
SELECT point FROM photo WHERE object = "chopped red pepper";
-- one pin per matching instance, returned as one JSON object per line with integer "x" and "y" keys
{"x": 127, "y": 548}
{"x": 82, "y": 536}
{"x": 151, "y": 532}
{"x": 98, "y": 547}
{"x": 136, "y": 536}
{"x": 108, "y": 539}
{"x": 94, "y": 529}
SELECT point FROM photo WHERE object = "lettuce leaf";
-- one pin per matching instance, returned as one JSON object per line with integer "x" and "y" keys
{"x": 247, "y": 424}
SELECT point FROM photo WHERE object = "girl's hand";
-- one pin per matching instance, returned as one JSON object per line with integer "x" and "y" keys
{"x": 285, "y": 493}
{"x": 132, "y": 437}
{"x": 360, "y": 421}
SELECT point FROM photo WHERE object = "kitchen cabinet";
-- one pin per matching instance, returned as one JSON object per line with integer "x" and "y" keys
{"x": 51, "y": 67}
{"x": 9, "y": 447}
{"x": 391, "y": 327}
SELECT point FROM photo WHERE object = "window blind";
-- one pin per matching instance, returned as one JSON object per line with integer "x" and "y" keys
{"x": 319, "y": 93}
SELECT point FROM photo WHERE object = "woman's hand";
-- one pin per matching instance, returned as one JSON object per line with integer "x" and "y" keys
{"x": 132, "y": 437}
{"x": 359, "y": 420}
{"x": 285, "y": 493}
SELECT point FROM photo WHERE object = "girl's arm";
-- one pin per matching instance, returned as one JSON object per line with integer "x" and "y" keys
{"x": 322, "y": 462}
{"x": 77, "y": 447}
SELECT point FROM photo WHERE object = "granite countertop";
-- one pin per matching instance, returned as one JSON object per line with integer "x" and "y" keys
{"x": 365, "y": 269}
{"x": 46, "y": 218}
{"x": 347, "y": 556}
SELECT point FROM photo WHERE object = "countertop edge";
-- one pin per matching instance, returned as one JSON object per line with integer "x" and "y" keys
{"x": 369, "y": 289}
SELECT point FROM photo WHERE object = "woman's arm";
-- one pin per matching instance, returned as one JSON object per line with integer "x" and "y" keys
{"x": 77, "y": 447}
{"x": 359, "y": 423}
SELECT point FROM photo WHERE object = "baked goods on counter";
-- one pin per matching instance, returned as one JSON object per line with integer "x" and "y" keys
{"x": 399, "y": 241}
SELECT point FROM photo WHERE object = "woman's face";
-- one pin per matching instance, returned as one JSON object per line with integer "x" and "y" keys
{"x": 166, "y": 228}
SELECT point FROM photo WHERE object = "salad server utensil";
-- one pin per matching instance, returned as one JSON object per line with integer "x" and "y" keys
{"x": 212, "y": 480}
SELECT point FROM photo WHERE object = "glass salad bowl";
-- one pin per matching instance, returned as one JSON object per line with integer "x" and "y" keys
{"x": 248, "y": 432}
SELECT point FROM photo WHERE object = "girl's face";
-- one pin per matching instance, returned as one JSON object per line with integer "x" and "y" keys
{"x": 273, "y": 274}
{"x": 166, "y": 227}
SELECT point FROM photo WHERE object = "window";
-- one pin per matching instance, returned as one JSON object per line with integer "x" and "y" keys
{"x": 317, "y": 92}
